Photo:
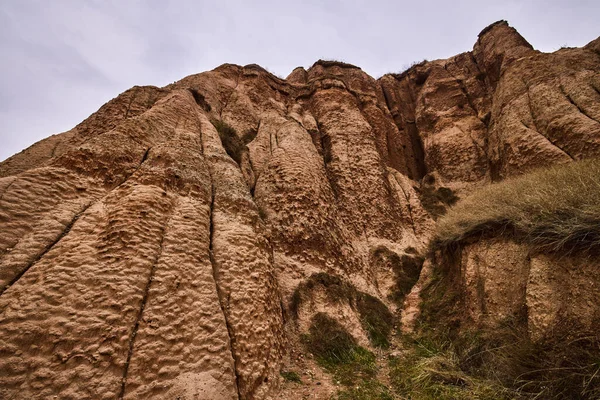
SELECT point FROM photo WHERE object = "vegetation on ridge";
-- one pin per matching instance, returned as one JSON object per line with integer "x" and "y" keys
{"x": 234, "y": 146}
{"x": 556, "y": 209}
{"x": 376, "y": 319}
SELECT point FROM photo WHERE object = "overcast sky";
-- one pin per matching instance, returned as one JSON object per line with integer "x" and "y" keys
{"x": 63, "y": 59}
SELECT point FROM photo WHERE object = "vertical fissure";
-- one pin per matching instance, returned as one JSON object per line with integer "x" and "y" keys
{"x": 220, "y": 295}
{"x": 49, "y": 247}
{"x": 140, "y": 313}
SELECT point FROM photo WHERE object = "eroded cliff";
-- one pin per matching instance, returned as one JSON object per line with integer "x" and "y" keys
{"x": 180, "y": 241}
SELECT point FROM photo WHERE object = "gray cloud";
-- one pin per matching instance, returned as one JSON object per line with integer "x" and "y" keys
{"x": 63, "y": 59}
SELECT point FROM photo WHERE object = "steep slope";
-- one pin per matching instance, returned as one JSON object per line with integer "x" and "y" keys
{"x": 179, "y": 241}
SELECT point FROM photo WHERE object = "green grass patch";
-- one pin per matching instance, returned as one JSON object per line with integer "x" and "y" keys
{"x": 291, "y": 376}
{"x": 556, "y": 209}
{"x": 337, "y": 351}
{"x": 376, "y": 319}
{"x": 233, "y": 145}
{"x": 431, "y": 370}
{"x": 366, "y": 390}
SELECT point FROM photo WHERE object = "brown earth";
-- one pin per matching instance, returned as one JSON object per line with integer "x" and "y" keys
{"x": 145, "y": 254}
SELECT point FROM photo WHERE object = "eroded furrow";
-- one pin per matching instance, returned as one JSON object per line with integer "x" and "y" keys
{"x": 48, "y": 247}
{"x": 220, "y": 295}
{"x": 140, "y": 313}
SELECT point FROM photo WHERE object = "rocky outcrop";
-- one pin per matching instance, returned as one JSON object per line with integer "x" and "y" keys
{"x": 502, "y": 281}
{"x": 153, "y": 250}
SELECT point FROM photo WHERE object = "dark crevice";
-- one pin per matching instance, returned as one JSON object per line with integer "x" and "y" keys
{"x": 463, "y": 89}
{"x": 325, "y": 144}
{"x": 48, "y": 247}
{"x": 145, "y": 156}
{"x": 220, "y": 294}
{"x": 54, "y": 149}
{"x": 417, "y": 149}
{"x": 140, "y": 314}
{"x": 418, "y": 168}
{"x": 214, "y": 268}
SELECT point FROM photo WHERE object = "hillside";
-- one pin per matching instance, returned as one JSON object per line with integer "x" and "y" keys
{"x": 233, "y": 233}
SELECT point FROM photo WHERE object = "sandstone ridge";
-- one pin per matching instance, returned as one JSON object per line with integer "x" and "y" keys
{"x": 181, "y": 241}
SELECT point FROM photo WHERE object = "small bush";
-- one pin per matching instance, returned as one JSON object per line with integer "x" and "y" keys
{"x": 553, "y": 210}
{"x": 337, "y": 351}
{"x": 375, "y": 317}
{"x": 335, "y": 63}
{"x": 291, "y": 376}
{"x": 329, "y": 341}
{"x": 232, "y": 144}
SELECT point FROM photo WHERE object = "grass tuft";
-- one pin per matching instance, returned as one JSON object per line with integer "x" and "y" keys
{"x": 337, "y": 351}
{"x": 376, "y": 319}
{"x": 234, "y": 146}
{"x": 366, "y": 390}
{"x": 553, "y": 210}
{"x": 291, "y": 376}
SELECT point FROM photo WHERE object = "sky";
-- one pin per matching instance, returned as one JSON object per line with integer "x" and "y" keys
{"x": 63, "y": 59}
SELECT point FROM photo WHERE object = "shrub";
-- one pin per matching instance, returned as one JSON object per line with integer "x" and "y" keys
{"x": 291, "y": 376}
{"x": 375, "y": 317}
{"x": 337, "y": 351}
{"x": 335, "y": 63}
{"x": 232, "y": 144}
{"x": 553, "y": 210}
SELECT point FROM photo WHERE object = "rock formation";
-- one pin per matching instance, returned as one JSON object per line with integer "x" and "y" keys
{"x": 155, "y": 250}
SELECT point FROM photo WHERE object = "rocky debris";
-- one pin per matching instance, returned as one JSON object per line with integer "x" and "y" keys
{"x": 152, "y": 251}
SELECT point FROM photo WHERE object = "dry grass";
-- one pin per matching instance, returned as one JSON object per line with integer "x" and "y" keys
{"x": 430, "y": 370}
{"x": 556, "y": 209}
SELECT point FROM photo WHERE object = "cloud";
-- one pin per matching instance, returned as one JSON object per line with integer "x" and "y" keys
{"x": 63, "y": 59}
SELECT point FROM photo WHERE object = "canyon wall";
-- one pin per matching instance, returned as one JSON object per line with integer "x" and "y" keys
{"x": 153, "y": 251}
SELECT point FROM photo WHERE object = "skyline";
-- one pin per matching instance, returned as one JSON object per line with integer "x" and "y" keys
{"x": 65, "y": 59}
